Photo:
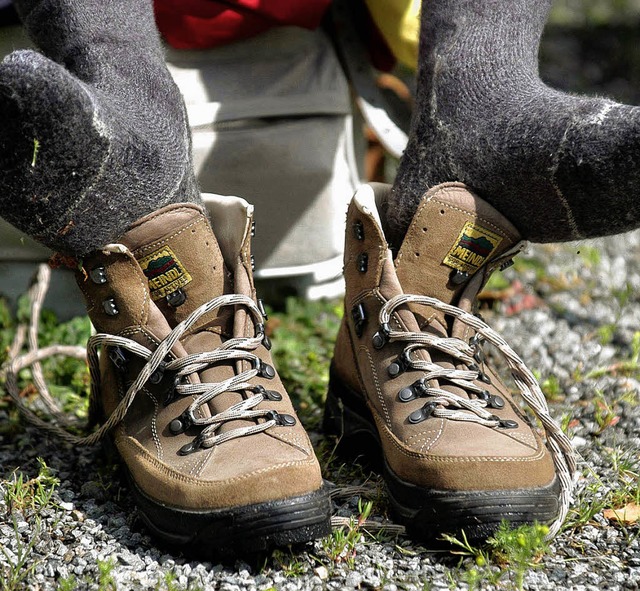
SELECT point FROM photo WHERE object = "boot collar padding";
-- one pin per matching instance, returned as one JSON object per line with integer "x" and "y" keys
{"x": 369, "y": 198}
{"x": 231, "y": 223}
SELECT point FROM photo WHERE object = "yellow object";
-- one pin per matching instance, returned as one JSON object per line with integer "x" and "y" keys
{"x": 399, "y": 23}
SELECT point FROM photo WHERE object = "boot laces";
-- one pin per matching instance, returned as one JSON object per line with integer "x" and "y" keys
{"x": 448, "y": 405}
{"x": 237, "y": 349}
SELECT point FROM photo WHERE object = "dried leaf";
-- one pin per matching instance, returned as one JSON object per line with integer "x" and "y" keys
{"x": 626, "y": 515}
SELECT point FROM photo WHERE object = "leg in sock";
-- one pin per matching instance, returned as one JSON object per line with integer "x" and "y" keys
{"x": 94, "y": 132}
{"x": 558, "y": 166}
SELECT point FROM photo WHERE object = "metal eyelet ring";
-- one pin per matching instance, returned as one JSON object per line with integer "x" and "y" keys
{"x": 407, "y": 394}
{"x": 483, "y": 377}
{"x": 359, "y": 316}
{"x": 262, "y": 309}
{"x": 181, "y": 424}
{"x": 98, "y": 275}
{"x": 459, "y": 277}
{"x": 358, "y": 230}
{"x": 496, "y": 402}
{"x": 266, "y": 371}
{"x": 484, "y": 395}
{"x": 272, "y": 395}
{"x": 118, "y": 358}
{"x": 362, "y": 263}
{"x": 422, "y": 414}
{"x": 379, "y": 340}
{"x": 176, "y": 298}
{"x": 281, "y": 420}
{"x": 158, "y": 374}
{"x": 110, "y": 308}
{"x": 194, "y": 445}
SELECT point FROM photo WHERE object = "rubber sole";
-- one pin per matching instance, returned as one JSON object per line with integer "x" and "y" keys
{"x": 238, "y": 531}
{"x": 429, "y": 513}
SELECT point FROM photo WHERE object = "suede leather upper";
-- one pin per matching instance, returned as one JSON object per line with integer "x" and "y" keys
{"x": 437, "y": 453}
{"x": 274, "y": 464}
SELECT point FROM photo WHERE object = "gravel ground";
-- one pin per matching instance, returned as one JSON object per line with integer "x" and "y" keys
{"x": 571, "y": 312}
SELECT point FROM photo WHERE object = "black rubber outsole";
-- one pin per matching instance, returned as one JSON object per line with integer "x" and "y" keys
{"x": 429, "y": 513}
{"x": 238, "y": 531}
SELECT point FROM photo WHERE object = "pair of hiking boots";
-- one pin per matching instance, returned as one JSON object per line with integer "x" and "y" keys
{"x": 217, "y": 459}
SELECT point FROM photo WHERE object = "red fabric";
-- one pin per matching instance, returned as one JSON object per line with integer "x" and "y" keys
{"x": 198, "y": 24}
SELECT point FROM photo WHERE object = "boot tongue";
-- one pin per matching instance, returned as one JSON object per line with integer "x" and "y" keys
{"x": 452, "y": 236}
{"x": 181, "y": 259}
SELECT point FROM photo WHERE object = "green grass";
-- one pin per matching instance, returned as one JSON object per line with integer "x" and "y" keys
{"x": 24, "y": 499}
{"x": 505, "y": 558}
{"x": 303, "y": 336}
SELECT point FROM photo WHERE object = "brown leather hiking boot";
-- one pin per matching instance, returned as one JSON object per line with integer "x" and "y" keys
{"x": 410, "y": 372}
{"x": 218, "y": 461}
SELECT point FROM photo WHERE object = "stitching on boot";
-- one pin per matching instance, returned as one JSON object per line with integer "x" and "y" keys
{"x": 376, "y": 381}
{"x": 135, "y": 446}
{"x": 429, "y": 442}
{"x": 481, "y": 219}
{"x": 154, "y": 424}
{"x": 456, "y": 460}
{"x": 164, "y": 240}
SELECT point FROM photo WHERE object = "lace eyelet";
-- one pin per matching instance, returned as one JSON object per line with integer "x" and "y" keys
{"x": 483, "y": 377}
{"x": 407, "y": 394}
{"x": 118, "y": 358}
{"x": 272, "y": 395}
{"x": 281, "y": 420}
{"x": 422, "y": 414}
{"x": 156, "y": 377}
{"x": 262, "y": 309}
{"x": 484, "y": 395}
{"x": 98, "y": 275}
{"x": 458, "y": 277}
{"x": 395, "y": 368}
{"x": 359, "y": 316}
{"x": 181, "y": 424}
{"x": 379, "y": 340}
{"x": 190, "y": 447}
{"x": 176, "y": 298}
{"x": 110, "y": 307}
{"x": 496, "y": 402}
{"x": 266, "y": 371}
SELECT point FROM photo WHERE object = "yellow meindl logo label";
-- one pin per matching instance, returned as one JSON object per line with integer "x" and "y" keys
{"x": 164, "y": 272}
{"x": 472, "y": 248}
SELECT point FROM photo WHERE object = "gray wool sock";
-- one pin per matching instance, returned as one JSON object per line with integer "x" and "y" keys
{"x": 93, "y": 130}
{"x": 559, "y": 166}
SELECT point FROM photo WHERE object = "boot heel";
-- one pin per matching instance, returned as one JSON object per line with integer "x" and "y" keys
{"x": 354, "y": 427}
{"x": 333, "y": 419}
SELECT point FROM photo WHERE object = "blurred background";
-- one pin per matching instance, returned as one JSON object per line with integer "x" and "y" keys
{"x": 593, "y": 46}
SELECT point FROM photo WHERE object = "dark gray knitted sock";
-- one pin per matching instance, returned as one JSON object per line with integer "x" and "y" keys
{"x": 559, "y": 166}
{"x": 93, "y": 131}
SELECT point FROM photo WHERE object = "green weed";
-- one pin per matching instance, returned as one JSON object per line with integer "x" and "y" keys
{"x": 303, "y": 338}
{"x": 510, "y": 552}
{"x": 340, "y": 545}
{"x": 625, "y": 367}
{"x": 24, "y": 499}
{"x": 106, "y": 580}
{"x": 69, "y": 583}
{"x": 289, "y": 562}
